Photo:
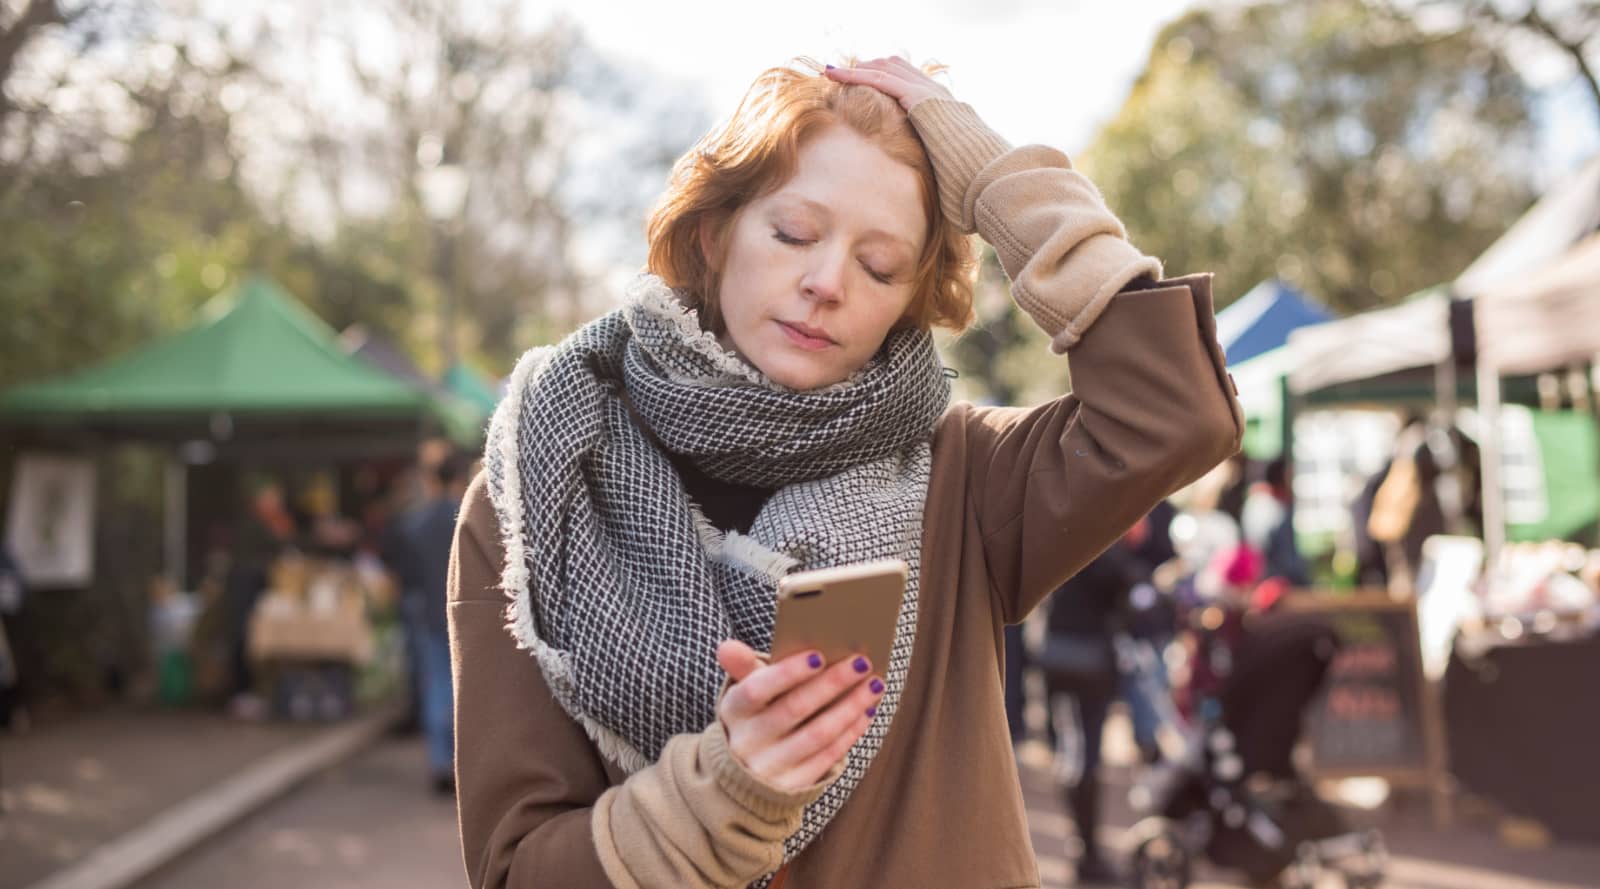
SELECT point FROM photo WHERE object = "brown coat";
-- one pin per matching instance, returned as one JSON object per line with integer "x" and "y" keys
{"x": 1018, "y": 500}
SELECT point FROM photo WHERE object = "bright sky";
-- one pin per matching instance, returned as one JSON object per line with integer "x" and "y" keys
{"x": 1036, "y": 70}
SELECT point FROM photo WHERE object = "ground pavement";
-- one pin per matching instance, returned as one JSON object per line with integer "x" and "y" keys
{"x": 370, "y": 820}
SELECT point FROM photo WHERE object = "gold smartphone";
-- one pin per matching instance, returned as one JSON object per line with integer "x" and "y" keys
{"x": 842, "y": 611}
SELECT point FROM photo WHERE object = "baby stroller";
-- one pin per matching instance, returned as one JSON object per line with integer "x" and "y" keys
{"x": 1234, "y": 797}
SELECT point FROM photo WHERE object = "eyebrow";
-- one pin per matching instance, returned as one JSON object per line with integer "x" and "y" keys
{"x": 876, "y": 233}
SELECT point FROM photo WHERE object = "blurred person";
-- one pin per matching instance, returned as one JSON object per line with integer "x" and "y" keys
{"x": 1406, "y": 508}
{"x": 1081, "y": 672}
{"x": 767, "y": 399}
{"x": 408, "y": 491}
{"x": 264, "y": 532}
{"x": 13, "y": 592}
{"x": 173, "y": 614}
{"x": 1268, "y": 524}
{"x": 1213, "y": 618}
{"x": 1152, "y": 624}
{"x": 426, "y": 533}
{"x": 1016, "y": 698}
{"x": 1230, "y": 499}
{"x": 1372, "y": 568}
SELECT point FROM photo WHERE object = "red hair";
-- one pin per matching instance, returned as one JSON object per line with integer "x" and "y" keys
{"x": 757, "y": 150}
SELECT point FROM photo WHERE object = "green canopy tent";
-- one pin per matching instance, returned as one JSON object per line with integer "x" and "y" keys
{"x": 257, "y": 377}
{"x": 255, "y": 358}
{"x": 467, "y": 384}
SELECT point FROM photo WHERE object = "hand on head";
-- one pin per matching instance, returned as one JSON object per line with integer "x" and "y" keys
{"x": 894, "y": 77}
{"x": 791, "y": 721}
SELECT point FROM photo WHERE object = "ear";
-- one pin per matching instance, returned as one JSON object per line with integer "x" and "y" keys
{"x": 710, "y": 233}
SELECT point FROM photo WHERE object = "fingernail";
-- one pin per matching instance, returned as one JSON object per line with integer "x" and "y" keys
{"x": 872, "y": 711}
{"x": 876, "y": 685}
{"x": 861, "y": 665}
{"x": 827, "y": 68}
{"x": 815, "y": 660}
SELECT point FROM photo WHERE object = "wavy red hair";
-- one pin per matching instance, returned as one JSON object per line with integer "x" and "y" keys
{"x": 757, "y": 150}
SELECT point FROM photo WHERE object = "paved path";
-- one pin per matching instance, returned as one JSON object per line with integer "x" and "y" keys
{"x": 68, "y": 788}
{"x": 370, "y": 823}
{"x": 1468, "y": 857}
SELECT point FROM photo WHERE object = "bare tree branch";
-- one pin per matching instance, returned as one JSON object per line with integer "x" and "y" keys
{"x": 1572, "y": 45}
{"x": 1571, "y": 32}
{"x": 36, "y": 16}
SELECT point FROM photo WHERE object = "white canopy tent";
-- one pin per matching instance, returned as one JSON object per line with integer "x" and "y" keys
{"x": 1546, "y": 321}
{"x": 1413, "y": 334}
{"x": 1536, "y": 299}
{"x": 1568, "y": 213}
{"x": 1416, "y": 333}
{"x": 1550, "y": 319}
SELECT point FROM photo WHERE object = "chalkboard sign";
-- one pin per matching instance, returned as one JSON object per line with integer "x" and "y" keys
{"x": 1376, "y": 715}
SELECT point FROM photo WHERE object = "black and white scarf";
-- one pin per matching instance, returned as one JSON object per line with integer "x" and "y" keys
{"x": 619, "y": 585}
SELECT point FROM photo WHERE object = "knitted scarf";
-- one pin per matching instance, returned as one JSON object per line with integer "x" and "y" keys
{"x": 617, "y": 582}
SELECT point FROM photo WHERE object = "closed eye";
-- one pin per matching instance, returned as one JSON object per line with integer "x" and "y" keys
{"x": 784, "y": 237}
{"x": 878, "y": 276}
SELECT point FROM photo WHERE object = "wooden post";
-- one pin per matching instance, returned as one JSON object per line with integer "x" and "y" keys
{"x": 1494, "y": 508}
{"x": 175, "y": 521}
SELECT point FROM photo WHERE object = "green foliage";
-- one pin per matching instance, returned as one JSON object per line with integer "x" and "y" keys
{"x": 142, "y": 177}
{"x": 1334, "y": 145}
{"x": 1004, "y": 358}
{"x": 98, "y": 263}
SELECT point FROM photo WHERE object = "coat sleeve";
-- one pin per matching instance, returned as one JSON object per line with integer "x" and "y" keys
{"x": 1152, "y": 407}
{"x": 539, "y": 807}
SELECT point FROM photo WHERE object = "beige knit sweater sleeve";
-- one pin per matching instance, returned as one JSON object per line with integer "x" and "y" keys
{"x": 1067, "y": 255}
{"x": 696, "y": 818}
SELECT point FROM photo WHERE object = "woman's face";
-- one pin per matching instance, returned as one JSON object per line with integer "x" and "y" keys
{"x": 817, "y": 272}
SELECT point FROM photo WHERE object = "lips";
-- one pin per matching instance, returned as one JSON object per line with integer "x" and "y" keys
{"x": 811, "y": 339}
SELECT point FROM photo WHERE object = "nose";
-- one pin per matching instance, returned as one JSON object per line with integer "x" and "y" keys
{"x": 824, "y": 279}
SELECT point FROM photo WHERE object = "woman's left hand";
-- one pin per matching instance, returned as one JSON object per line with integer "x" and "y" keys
{"x": 894, "y": 77}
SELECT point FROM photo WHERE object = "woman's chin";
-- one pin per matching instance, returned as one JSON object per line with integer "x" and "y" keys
{"x": 799, "y": 373}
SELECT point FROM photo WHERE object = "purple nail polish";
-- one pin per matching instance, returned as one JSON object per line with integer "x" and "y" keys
{"x": 876, "y": 685}
{"x": 861, "y": 665}
{"x": 815, "y": 660}
{"x": 828, "y": 67}
{"x": 872, "y": 711}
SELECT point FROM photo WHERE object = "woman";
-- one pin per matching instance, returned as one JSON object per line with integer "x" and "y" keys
{"x": 767, "y": 399}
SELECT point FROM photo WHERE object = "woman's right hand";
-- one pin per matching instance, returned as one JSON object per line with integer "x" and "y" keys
{"x": 790, "y": 722}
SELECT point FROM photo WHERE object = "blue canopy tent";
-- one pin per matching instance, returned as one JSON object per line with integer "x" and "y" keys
{"x": 1260, "y": 321}
{"x": 1253, "y": 331}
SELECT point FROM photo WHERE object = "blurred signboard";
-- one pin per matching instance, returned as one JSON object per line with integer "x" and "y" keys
{"x": 1377, "y": 715}
{"x": 50, "y": 520}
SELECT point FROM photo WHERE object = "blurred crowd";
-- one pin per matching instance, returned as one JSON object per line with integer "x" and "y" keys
{"x": 1158, "y": 622}
{"x": 300, "y": 609}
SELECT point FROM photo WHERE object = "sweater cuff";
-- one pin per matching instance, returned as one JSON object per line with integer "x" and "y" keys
{"x": 761, "y": 799}
{"x": 605, "y": 845}
{"x": 1105, "y": 258}
{"x": 960, "y": 144}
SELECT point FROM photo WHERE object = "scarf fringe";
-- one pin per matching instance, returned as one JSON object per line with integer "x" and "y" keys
{"x": 504, "y": 490}
{"x": 746, "y": 553}
{"x": 648, "y": 293}
{"x": 740, "y": 551}
{"x": 514, "y": 573}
